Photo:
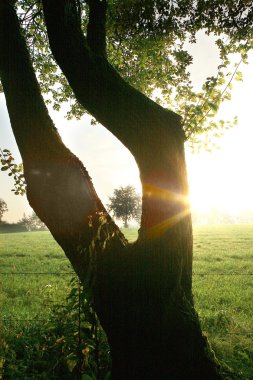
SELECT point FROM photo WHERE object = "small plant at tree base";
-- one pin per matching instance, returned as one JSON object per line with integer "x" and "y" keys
{"x": 125, "y": 204}
{"x": 71, "y": 344}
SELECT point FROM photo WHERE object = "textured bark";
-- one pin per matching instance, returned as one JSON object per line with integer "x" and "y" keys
{"x": 59, "y": 188}
{"x": 96, "y": 29}
{"x": 99, "y": 88}
{"x": 142, "y": 292}
{"x": 143, "y": 296}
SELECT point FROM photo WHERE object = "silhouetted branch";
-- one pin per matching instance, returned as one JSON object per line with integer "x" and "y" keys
{"x": 96, "y": 31}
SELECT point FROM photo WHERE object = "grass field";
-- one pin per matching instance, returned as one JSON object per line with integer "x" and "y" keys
{"x": 222, "y": 283}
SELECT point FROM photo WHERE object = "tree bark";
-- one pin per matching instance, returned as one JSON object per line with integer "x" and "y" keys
{"x": 59, "y": 188}
{"x": 142, "y": 292}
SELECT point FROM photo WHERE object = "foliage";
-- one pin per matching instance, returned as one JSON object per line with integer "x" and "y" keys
{"x": 32, "y": 223}
{"x": 11, "y": 228}
{"x": 3, "y": 208}
{"x": 147, "y": 44}
{"x": 125, "y": 204}
{"x": 15, "y": 170}
{"x": 71, "y": 344}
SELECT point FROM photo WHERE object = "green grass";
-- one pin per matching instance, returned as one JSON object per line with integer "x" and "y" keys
{"x": 25, "y": 295}
{"x": 223, "y": 291}
{"x": 130, "y": 233}
{"x": 222, "y": 285}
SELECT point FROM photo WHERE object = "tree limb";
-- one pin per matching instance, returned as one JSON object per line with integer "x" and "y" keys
{"x": 96, "y": 29}
{"x": 144, "y": 127}
{"x": 58, "y": 186}
{"x": 98, "y": 87}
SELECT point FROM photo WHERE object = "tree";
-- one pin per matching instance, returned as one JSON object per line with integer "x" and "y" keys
{"x": 3, "y": 208}
{"x": 125, "y": 204}
{"x": 141, "y": 292}
{"x": 32, "y": 223}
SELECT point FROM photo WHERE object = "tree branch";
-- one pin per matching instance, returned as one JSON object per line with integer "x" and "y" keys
{"x": 98, "y": 87}
{"x": 144, "y": 127}
{"x": 58, "y": 186}
{"x": 96, "y": 29}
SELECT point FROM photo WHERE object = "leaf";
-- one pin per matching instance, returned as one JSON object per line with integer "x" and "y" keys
{"x": 60, "y": 340}
{"x": 108, "y": 375}
{"x": 87, "y": 377}
{"x": 71, "y": 361}
{"x": 2, "y": 360}
{"x": 213, "y": 106}
{"x": 4, "y": 168}
{"x": 238, "y": 76}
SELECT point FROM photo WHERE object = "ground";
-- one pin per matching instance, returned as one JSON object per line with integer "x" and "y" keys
{"x": 35, "y": 275}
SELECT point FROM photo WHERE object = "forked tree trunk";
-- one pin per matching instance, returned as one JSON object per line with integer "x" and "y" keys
{"x": 144, "y": 299}
{"x": 142, "y": 291}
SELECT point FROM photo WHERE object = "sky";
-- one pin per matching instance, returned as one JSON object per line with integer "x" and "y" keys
{"x": 221, "y": 179}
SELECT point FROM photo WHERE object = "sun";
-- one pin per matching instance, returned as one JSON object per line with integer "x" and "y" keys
{"x": 221, "y": 180}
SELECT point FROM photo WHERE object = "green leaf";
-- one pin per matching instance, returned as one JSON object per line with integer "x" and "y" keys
{"x": 71, "y": 361}
{"x": 213, "y": 106}
{"x": 238, "y": 76}
{"x": 108, "y": 376}
{"x": 87, "y": 377}
{"x": 71, "y": 364}
{"x": 4, "y": 168}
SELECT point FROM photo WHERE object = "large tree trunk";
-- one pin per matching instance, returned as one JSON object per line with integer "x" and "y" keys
{"x": 144, "y": 301}
{"x": 141, "y": 292}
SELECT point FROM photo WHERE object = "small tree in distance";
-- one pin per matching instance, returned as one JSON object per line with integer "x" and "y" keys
{"x": 32, "y": 223}
{"x": 125, "y": 204}
{"x": 3, "y": 208}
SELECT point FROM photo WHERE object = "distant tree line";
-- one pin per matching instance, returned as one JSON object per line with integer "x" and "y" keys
{"x": 3, "y": 208}
{"x": 32, "y": 223}
{"x": 27, "y": 223}
{"x": 218, "y": 216}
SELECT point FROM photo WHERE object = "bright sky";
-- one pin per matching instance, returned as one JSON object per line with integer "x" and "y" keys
{"x": 221, "y": 179}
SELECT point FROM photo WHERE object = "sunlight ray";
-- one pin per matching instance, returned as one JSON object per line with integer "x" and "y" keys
{"x": 165, "y": 194}
{"x": 161, "y": 228}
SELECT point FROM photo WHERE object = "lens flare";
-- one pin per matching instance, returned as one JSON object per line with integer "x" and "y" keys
{"x": 175, "y": 201}
{"x": 161, "y": 228}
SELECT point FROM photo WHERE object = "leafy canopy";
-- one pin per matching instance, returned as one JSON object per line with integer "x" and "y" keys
{"x": 147, "y": 44}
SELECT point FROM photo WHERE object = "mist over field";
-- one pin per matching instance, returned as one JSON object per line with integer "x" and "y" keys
{"x": 218, "y": 216}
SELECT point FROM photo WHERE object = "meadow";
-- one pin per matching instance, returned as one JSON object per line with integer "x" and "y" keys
{"x": 35, "y": 275}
